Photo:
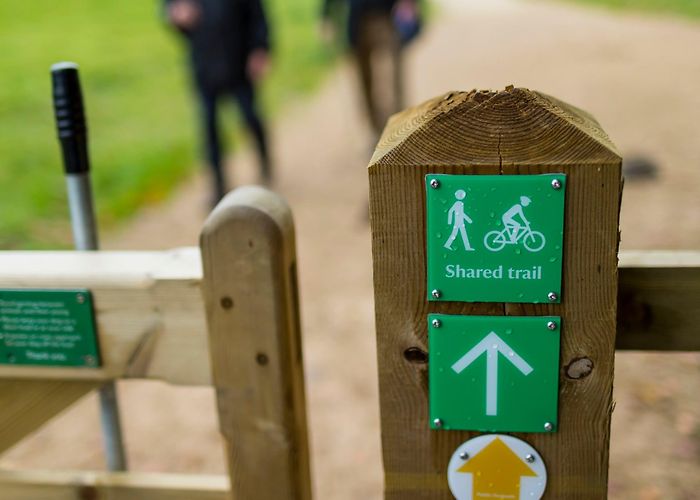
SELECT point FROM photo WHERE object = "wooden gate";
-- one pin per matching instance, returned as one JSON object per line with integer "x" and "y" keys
{"x": 229, "y": 319}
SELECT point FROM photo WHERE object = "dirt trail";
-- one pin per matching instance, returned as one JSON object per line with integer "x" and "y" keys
{"x": 635, "y": 74}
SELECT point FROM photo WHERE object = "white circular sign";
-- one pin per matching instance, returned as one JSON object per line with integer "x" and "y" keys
{"x": 496, "y": 466}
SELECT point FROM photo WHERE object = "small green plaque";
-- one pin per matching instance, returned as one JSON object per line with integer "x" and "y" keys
{"x": 47, "y": 328}
{"x": 494, "y": 373}
{"x": 495, "y": 238}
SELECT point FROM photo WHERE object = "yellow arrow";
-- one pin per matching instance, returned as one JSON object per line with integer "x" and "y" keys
{"x": 496, "y": 472}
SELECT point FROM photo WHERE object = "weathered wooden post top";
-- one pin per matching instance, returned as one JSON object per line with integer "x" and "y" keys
{"x": 495, "y": 234}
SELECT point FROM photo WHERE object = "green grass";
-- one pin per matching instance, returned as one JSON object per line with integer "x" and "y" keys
{"x": 689, "y": 8}
{"x": 141, "y": 115}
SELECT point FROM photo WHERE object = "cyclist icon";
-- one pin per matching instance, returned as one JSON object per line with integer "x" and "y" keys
{"x": 516, "y": 229}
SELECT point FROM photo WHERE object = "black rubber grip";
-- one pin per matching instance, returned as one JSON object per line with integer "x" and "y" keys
{"x": 70, "y": 117}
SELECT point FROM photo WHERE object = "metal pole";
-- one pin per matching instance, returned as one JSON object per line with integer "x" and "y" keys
{"x": 72, "y": 133}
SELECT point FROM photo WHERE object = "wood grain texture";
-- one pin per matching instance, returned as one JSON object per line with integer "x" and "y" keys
{"x": 25, "y": 405}
{"x": 514, "y": 132}
{"x": 81, "y": 485}
{"x": 659, "y": 301}
{"x": 252, "y": 310}
{"x": 148, "y": 309}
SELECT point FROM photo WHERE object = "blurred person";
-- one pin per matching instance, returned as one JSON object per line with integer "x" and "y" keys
{"x": 229, "y": 51}
{"x": 377, "y": 30}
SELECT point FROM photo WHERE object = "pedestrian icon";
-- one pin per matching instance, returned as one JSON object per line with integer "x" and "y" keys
{"x": 457, "y": 216}
{"x": 516, "y": 230}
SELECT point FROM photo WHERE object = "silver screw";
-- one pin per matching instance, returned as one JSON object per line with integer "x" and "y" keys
{"x": 551, "y": 325}
{"x": 436, "y": 294}
{"x": 437, "y": 422}
{"x": 529, "y": 458}
{"x": 464, "y": 455}
{"x": 80, "y": 298}
{"x": 552, "y": 296}
{"x": 90, "y": 360}
{"x": 548, "y": 426}
{"x": 434, "y": 183}
{"x": 436, "y": 323}
{"x": 556, "y": 184}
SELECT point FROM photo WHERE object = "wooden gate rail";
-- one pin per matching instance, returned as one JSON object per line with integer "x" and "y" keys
{"x": 158, "y": 316}
{"x": 151, "y": 321}
{"x": 659, "y": 301}
{"x": 148, "y": 309}
{"x": 73, "y": 485}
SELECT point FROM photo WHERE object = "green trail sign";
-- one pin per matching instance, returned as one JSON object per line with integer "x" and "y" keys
{"x": 494, "y": 373}
{"x": 47, "y": 327}
{"x": 495, "y": 238}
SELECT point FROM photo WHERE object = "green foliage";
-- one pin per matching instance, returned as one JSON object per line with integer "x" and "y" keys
{"x": 689, "y": 8}
{"x": 136, "y": 86}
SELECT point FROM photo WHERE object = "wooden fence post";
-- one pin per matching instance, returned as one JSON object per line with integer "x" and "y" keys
{"x": 512, "y": 132}
{"x": 251, "y": 302}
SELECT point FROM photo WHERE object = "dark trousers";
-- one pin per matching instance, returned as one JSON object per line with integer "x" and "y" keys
{"x": 244, "y": 95}
{"x": 378, "y": 57}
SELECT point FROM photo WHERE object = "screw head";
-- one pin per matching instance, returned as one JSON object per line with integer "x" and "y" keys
{"x": 464, "y": 455}
{"x": 436, "y": 294}
{"x": 434, "y": 183}
{"x": 529, "y": 458}
{"x": 551, "y": 325}
{"x": 548, "y": 426}
{"x": 80, "y": 298}
{"x": 552, "y": 296}
{"x": 556, "y": 184}
{"x": 436, "y": 323}
{"x": 437, "y": 422}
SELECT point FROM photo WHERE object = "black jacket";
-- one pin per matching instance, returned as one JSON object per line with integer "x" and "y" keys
{"x": 227, "y": 32}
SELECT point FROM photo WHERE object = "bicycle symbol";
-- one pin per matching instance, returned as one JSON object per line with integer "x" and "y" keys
{"x": 532, "y": 240}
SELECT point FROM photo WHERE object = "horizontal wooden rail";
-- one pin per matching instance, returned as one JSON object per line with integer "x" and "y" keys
{"x": 151, "y": 321}
{"x": 148, "y": 305}
{"x": 20, "y": 485}
{"x": 659, "y": 301}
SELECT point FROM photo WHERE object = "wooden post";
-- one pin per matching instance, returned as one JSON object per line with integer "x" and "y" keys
{"x": 251, "y": 303}
{"x": 513, "y": 132}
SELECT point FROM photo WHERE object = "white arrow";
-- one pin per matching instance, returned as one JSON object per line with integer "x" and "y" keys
{"x": 492, "y": 344}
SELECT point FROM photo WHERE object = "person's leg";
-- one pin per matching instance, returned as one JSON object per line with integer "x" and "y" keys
{"x": 451, "y": 239}
{"x": 514, "y": 229}
{"x": 212, "y": 142}
{"x": 245, "y": 96}
{"x": 397, "y": 73}
{"x": 387, "y": 68}
{"x": 363, "y": 60}
{"x": 465, "y": 238}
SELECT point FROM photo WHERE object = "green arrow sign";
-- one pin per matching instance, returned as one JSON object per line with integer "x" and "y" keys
{"x": 495, "y": 238}
{"x": 494, "y": 373}
{"x": 491, "y": 346}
